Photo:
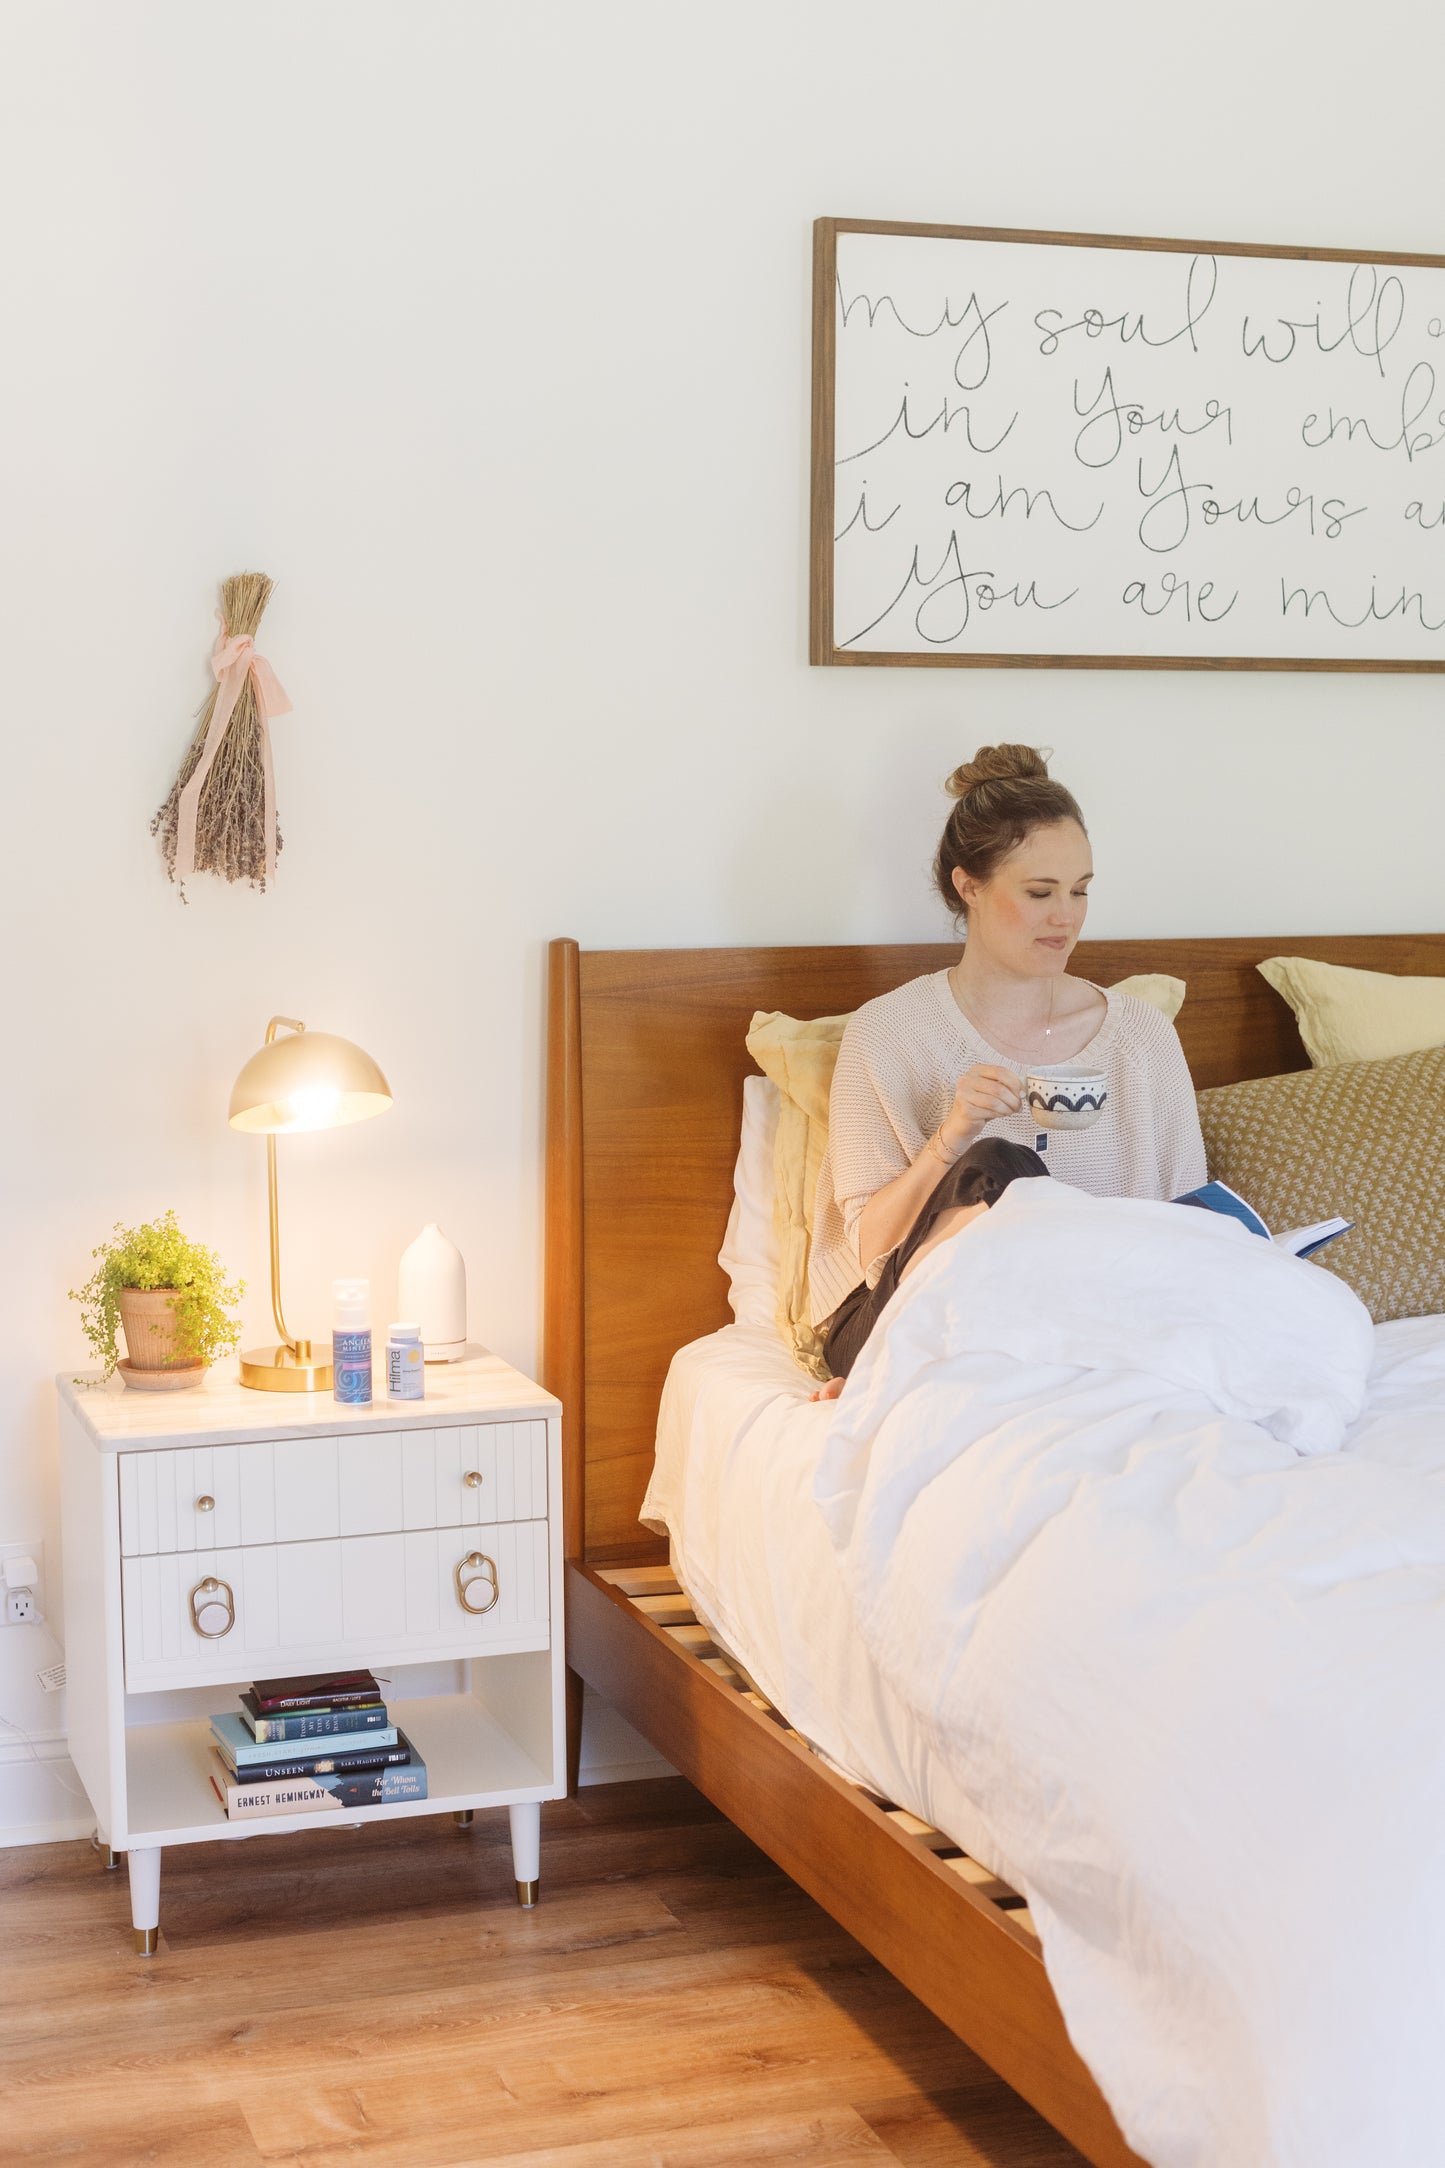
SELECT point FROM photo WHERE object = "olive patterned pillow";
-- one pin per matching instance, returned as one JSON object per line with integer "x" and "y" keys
{"x": 1365, "y": 1139}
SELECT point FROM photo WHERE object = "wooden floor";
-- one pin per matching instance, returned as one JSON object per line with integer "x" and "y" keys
{"x": 378, "y": 1996}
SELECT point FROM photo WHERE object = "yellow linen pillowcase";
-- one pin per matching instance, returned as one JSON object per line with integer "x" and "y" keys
{"x": 1365, "y": 1139}
{"x": 1157, "y": 988}
{"x": 800, "y": 1057}
{"x": 1349, "y": 1015}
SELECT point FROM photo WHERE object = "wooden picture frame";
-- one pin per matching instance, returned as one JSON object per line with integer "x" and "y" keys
{"x": 645, "y": 1068}
{"x": 825, "y": 647}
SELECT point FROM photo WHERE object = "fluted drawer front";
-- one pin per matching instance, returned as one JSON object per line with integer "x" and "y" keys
{"x": 299, "y": 1607}
{"x": 510, "y": 1458}
{"x": 161, "y": 1493}
{"x": 301, "y": 1490}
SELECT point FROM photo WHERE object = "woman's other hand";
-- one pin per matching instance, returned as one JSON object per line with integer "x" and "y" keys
{"x": 830, "y": 1391}
{"x": 982, "y": 1094}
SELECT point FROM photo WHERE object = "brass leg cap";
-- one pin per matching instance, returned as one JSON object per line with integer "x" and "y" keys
{"x": 463, "y": 1820}
{"x": 146, "y": 1939}
{"x": 527, "y": 1892}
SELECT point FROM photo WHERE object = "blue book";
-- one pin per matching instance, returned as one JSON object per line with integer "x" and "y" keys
{"x": 242, "y": 1748}
{"x": 247, "y": 1798}
{"x": 1299, "y": 1241}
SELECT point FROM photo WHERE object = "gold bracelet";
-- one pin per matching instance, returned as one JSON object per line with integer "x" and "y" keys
{"x": 935, "y": 1145}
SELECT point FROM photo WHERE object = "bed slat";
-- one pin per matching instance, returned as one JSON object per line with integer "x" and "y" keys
{"x": 655, "y": 1592}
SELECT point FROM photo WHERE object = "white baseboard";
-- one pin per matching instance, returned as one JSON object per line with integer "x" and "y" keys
{"x": 42, "y": 1800}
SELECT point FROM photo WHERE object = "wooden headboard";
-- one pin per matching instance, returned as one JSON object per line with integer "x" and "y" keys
{"x": 645, "y": 1069}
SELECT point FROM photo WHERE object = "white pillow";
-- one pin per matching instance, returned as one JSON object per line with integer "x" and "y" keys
{"x": 749, "y": 1255}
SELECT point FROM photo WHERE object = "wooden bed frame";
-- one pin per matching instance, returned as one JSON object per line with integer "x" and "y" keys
{"x": 644, "y": 1102}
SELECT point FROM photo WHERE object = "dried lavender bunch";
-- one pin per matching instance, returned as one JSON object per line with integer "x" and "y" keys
{"x": 231, "y": 818}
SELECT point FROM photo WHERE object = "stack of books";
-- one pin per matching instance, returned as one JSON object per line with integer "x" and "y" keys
{"x": 322, "y": 1745}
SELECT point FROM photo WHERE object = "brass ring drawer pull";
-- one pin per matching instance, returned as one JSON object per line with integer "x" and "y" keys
{"x": 213, "y": 1608}
{"x": 484, "y": 1572}
{"x": 205, "y": 1504}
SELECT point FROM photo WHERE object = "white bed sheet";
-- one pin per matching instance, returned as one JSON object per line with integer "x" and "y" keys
{"x": 738, "y": 1445}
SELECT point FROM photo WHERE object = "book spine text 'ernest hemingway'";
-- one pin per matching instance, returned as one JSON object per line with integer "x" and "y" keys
{"x": 245, "y": 1797}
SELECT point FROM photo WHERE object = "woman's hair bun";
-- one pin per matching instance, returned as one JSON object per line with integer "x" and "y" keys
{"x": 998, "y": 764}
{"x": 1000, "y": 796}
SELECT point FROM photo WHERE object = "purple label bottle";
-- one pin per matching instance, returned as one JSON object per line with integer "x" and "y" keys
{"x": 351, "y": 1342}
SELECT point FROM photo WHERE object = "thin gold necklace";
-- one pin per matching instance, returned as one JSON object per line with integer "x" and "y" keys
{"x": 980, "y": 1026}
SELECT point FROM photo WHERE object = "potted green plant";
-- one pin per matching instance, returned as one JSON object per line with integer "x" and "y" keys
{"x": 169, "y": 1295}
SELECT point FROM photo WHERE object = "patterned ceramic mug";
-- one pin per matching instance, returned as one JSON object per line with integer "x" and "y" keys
{"x": 1067, "y": 1096}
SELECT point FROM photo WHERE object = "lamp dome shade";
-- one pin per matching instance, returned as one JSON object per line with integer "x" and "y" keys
{"x": 308, "y": 1080}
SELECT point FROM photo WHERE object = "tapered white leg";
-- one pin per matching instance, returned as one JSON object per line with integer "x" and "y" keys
{"x": 145, "y": 1898}
{"x": 526, "y": 1850}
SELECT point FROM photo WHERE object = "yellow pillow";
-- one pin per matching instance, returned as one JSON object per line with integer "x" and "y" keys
{"x": 1157, "y": 988}
{"x": 800, "y": 1057}
{"x": 1365, "y": 1139}
{"x": 1346, "y": 1015}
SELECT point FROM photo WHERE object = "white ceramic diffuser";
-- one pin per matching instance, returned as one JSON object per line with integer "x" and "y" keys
{"x": 432, "y": 1288}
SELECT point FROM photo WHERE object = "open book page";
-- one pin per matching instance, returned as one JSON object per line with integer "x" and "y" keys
{"x": 1219, "y": 1197}
{"x": 1304, "y": 1241}
{"x": 1300, "y": 1241}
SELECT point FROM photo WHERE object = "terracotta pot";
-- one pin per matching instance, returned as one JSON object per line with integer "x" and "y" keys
{"x": 149, "y": 1324}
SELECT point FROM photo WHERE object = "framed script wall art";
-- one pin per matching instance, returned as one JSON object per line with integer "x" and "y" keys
{"x": 1085, "y": 451}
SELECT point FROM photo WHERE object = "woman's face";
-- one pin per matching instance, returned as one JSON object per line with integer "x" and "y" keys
{"x": 1030, "y": 912}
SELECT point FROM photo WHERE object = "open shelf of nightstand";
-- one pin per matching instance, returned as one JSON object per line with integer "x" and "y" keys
{"x": 472, "y": 1760}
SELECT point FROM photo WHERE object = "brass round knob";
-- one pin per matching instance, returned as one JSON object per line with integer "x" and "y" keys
{"x": 473, "y": 1479}
{"x": 205, "y": 1504}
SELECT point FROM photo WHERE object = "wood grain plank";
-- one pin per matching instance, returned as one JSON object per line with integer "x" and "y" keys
{"x": 836, "y": 2136}
{"x": 963, "y": 1958}
{"x": 149, "y": 2132}
{"x": 673, "y": 1999}
{"x": 971, "y": 2127}
{"x": 813, "y": 2138}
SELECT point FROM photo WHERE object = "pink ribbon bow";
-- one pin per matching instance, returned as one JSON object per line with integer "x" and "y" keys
{"x": 232, "y": 658}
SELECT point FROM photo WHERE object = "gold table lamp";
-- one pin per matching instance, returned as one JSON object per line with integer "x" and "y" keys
{"x": 312, "y": 1080}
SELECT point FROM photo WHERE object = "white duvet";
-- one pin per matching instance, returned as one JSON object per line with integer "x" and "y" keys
{"x": 1157, "y": 1563}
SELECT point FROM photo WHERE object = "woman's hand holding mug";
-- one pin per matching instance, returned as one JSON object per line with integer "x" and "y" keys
{"x": 982, "y": 1094}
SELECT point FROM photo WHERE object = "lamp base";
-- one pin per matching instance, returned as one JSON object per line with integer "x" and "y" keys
{"x": 306, "y": 1368}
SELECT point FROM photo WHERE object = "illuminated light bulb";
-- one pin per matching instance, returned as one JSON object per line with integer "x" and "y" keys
{"x": 313, "y": 1106}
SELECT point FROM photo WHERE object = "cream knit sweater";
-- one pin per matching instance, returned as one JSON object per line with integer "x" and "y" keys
{"x": 898, "y": 1064}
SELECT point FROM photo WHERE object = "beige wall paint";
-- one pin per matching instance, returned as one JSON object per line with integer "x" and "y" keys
{"x": 484, "y": 330}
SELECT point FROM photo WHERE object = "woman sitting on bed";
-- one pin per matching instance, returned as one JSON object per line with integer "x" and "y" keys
{"x": 927, "y": 1125}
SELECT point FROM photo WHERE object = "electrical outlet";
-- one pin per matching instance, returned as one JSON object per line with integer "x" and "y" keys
{"x": 23, "y": 1605}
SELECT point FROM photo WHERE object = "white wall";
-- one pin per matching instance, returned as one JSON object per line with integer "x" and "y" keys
{"x": 484, "y": 330}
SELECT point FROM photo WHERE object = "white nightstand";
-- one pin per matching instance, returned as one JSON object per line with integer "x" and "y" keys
{"x": 335, "y": 1536}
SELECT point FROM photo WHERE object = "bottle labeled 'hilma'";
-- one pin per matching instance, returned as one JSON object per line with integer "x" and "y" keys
{"x": 405, "y": 1360}
{"x": 351, "y": 1341}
